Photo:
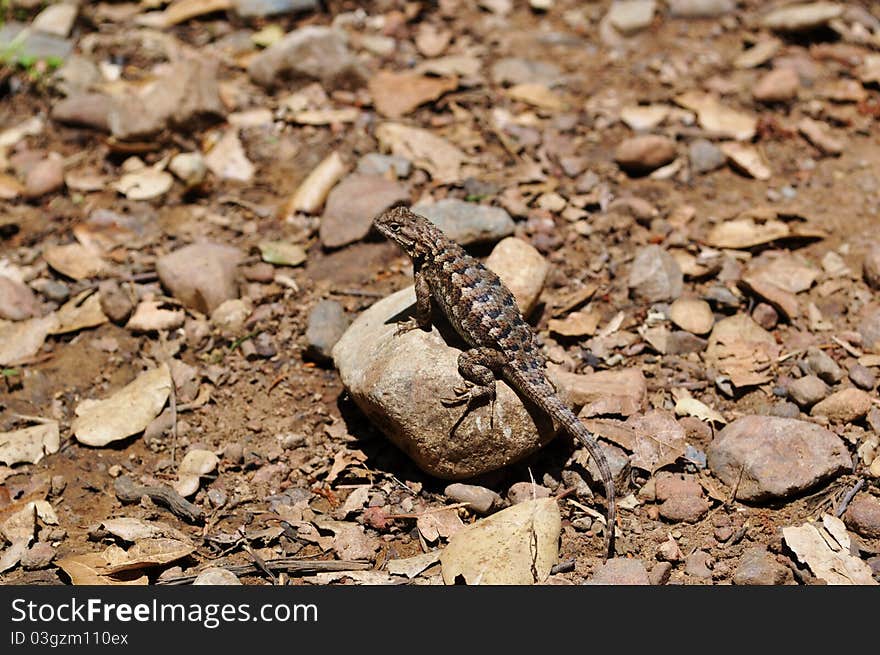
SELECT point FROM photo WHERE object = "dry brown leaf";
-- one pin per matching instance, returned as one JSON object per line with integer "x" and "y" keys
{"x": 150, "y": 315}
{"x": 747, "y": 159}
{"x": 21, "y": 523}
{"x": 442, "y": 160}
{"x": 145, "y": 553}
{"x": 29, "y": 444}
{"x": 825, "y": 549}
{"x": 145, "y": 184}
{"x": 86, "y": 570}
{"x": 132, "y": 529}
{"x": 412, "y": 566}
{"x": 398, "y": 94}
{"x": 717, "y": 118}
{"x": 434, "y": 525}
{"x": 576, "y": 324}
{"x": 747, "y": 232}
{"x": 228, "y": 160}
{"x": 81, "y": 312}
{"x": 518, "y": 545}
{"x": 538, "y": 95}
{"x": 742, "y": 350}
{"x": 687, "y": 405}
{"x": 195, "y": 464}
{"x": 659, "y": 439}
{"x": 74, "y": 260}
{"x": 126, "y": 412}
{"x": 21, "y": 340}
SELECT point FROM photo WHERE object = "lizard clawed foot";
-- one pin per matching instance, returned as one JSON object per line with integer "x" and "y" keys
{"x": 408, "y": 325}
{"x": 462, "y": 396}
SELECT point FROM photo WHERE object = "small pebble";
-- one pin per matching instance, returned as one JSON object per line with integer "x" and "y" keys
{"x": 643, "y": 154}
{"x": 808, "y": 390}
{"x": 863, "y": 516}
{"x": 819, "y": 363}
{"x": 115, "y": 302}
{"x": 698, "y": 565}
{"x": 765, "y": 316}
{"x": 327, "y": 323}
{"x": 479, "y": 499}
{"x": 862, "y": 377}
{"x": 216, "y": 576}
{"x": 522, "y": 491}
{"x": 758, "y": 567}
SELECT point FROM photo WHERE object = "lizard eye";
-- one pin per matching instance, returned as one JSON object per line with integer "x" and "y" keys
{"x": 395, "y": 227}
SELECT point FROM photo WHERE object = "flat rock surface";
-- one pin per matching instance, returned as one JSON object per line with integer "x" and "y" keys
{"x": 398, "y": 382}
{"x": 767, "y": 457}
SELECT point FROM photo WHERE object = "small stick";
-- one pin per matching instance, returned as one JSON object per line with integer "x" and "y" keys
{"x": 287, "y": 564}
{"x": 563, "y": 567}
{"x": 128, "y": 491}
{"x": 259, "y": 561}
{"x": 847, "y": 499}
{"x": 173, "y": 403}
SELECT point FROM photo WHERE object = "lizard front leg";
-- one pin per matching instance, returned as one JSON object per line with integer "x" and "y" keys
{"x": 422, "y": 319}
{"x": 479, "y": 368}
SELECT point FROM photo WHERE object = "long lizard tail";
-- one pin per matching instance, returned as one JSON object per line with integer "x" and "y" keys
{"x": 554, "y": 406}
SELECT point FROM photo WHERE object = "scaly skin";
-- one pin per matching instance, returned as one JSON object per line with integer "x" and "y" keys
{"x": 484, "y": 313}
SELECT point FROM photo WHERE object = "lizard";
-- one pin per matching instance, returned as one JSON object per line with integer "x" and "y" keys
{"x": 485, "y": 314}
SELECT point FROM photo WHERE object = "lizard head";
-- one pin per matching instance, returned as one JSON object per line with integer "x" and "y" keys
{"x": 413, "y": 233}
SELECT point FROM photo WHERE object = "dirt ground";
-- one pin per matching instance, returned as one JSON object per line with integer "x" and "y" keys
{"x": 292, "y": 445}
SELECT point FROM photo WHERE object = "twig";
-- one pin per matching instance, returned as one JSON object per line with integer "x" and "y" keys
{"x": 173, "y": 402}
{"x": 286, "y": 564}
{"x": 259, "y": 561}
{"x": 128, "y": 491}
{"x": 426, "y": 512}
{"x": 360, "y": 293}
{"x": 847, "y": 499}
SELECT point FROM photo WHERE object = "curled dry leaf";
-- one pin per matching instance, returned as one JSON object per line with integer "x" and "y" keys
{"x": 150, "y": 315}
{"x": 687, "y": 405}
{"x": 145, "y": 553}
{"x": 312, "y": 193}
{"x": 74, "y": 260}
{"x": 132, "y": 529}
{"x": 747, "y": 232}
{"x": 29, "y": 444}
{"x": 825, "y": 549}
{"x": 12, "y": 555}
{"x": 126, "y": 412}
{"x": 195, "y": 464}
{"x": 21, "y": 340}
{"x": 747, "y": 159}
{"x": 87, "y": 569}
{"x": 717, "y": 118}
{"x": 145, "y": 184}
{"x": 537, "y": 95}
{"x": 441, "y": 159}
{"x": 518, "y": 545}
{"x": 81, "y": 312}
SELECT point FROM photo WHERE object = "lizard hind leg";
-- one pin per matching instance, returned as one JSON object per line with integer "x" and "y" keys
{"x": 478, "y": 367}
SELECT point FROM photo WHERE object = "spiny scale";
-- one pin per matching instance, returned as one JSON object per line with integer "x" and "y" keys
{"x": 484, "y": 313}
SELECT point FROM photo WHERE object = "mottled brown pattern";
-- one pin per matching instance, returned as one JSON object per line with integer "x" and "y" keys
{"x": 484, "y": 313}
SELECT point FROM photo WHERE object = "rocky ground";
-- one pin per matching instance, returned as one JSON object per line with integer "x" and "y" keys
{"x": 200, "y": 376}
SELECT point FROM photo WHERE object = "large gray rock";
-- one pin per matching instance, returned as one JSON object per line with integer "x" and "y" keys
{"x": 766, "y": 457}
{"x": 314, "y": 52}
{"x": 467, "y": 222}
{"x": 398, "y": 381}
